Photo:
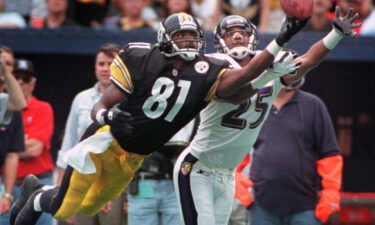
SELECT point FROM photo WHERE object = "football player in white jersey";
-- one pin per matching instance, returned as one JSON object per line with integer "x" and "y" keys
{"x": 203, "y": 174}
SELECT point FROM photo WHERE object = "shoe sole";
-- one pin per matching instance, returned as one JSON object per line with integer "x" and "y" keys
{"x": 29, "y": 185}
{"x": 27, "y": 215}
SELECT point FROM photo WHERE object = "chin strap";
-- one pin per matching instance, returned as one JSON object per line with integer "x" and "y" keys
{"x": 239, "y": 52}
{"x": 187, "y": 55}
{"x": 330, "y": 169}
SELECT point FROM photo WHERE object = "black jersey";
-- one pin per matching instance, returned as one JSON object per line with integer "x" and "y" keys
{"x": 161, "y": 99}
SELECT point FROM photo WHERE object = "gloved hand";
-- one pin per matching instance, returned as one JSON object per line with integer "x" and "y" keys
{"x": 329, "y": 203}
{"x": 283, "y": 64}
{"x": 242, "y": 186}
{"x": 345, "y": 25}
{"x": 119, "y": 121}
{"x": 290, "y": 27}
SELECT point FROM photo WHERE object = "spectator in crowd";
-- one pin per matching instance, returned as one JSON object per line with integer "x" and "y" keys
{"x": 130, "y": 17}
{"x": 271, "y": 16}
{"x": 296, "y": 159}
{"x": 38, "y": 124}
{"x": 90, "y": 13}
{"x": 152, "y": 199}
{"x": 11, "y": 139}
{"x": 368, "y": 26}
{"x": 29, "y": 9}
{"x": 240, "y": 214}
{"x": 209, "y": 11}
{"x": 10, "y": 19}
{"x": 170, "y": 7}
{"x": 57, "y": 15}
{"x": 248, "y": 9}
{"x": 13, "y": 100}
{"x": 319, "y": 20}
{"x": 150, "y": 11}
{"x": 79, "y": 119}
{"x": 11, "y": 142}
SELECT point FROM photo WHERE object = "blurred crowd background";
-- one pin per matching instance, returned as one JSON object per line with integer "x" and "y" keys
{"x": 136, "y": 14}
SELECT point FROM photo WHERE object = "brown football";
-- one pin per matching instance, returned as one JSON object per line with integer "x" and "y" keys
{"x": 301, "y": 9}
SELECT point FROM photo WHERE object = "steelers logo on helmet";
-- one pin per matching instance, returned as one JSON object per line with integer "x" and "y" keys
{"x": 186, "y": 48}
{"x": 232, "y": 48}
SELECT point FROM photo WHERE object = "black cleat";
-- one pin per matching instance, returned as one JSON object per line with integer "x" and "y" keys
{"x": 27, "y": 215}
{"x": 30, "y": 184}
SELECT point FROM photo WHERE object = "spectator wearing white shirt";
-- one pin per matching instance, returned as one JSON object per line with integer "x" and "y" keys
{"x": 10, "y": 19}
{"x": 79, "y": 119}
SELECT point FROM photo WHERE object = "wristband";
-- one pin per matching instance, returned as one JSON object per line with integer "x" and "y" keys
{"x": 8, "y": 196}
{"x": 263, "y": 79}
{"x": 273, "y": 48}
{"x": 99, "y": 117}
{"x": 332, "y": 39}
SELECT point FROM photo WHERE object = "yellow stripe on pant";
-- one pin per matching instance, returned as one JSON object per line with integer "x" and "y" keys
{"x": 87, "y": 193}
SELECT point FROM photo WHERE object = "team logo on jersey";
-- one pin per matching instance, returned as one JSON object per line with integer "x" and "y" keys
{"x": 201, "y": 67}
{"x": 185, "y": 168}
{"x": 174, "y": 72}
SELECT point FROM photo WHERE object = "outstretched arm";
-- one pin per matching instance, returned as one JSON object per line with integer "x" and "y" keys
{"x": 234, "y": 79}
{"x": 281, "y": 66}
{"x": 342, "y": 26}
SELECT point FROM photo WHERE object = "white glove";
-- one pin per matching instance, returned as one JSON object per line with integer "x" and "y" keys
{"x": 283, "y": 64}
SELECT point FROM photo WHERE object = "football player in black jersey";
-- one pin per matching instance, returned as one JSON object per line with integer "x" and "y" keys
{"x": 155, "y": 91}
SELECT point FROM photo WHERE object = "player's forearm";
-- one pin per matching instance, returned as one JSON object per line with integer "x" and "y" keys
{"x": 111, "y": 97}
{"x": 233, "y": 80}
{"x": 314, "y": 56}
{"x": 317, "y": 53}
{"x": 258, "y": 65}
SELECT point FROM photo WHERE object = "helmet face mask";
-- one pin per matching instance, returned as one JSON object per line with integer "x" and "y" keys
{"x": 173, "y": 40}
{"x": 245, "y": 28}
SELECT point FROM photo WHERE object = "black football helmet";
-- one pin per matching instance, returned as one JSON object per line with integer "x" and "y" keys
{"x": 235, "y": 21}
{"x": 175, "y": 23}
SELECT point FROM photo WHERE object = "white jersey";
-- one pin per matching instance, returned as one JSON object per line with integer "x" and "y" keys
{"x": 227, "y": 132}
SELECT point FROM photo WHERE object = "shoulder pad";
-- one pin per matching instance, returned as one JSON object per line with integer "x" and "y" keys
{"x": 222, "y": 56}
{"x": 136, "y": 48}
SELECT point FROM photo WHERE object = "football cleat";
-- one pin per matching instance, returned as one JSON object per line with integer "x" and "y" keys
{"x": 30, "y": 184}
{"x": 27, "y": 215}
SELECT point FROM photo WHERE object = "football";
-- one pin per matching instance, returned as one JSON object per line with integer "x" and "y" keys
{"x": 301, "y": 9}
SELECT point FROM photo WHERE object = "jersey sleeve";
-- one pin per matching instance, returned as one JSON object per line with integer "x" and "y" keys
{"x": 124, "y": 64}
{"x": 218, "y": 68}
